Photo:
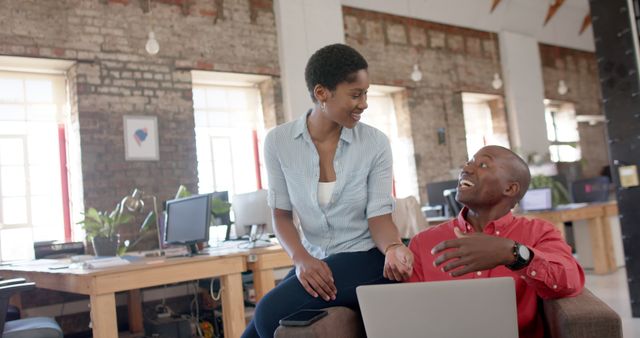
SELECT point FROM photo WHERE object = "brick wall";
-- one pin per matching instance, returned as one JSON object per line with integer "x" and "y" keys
{"x": 452, "y": 60}
{"x": 114, "y": 76}
{"x": 580, "y": 72}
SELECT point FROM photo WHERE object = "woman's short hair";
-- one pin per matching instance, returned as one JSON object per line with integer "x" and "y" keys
{"x": 331, "y": 65}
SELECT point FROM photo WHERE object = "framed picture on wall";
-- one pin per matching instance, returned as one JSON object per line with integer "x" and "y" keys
{"x": 141, "y": 138}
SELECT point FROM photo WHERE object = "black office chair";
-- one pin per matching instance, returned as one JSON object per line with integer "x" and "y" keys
{"x": 454, "y": 206}
{"x": 35, "y": 327}
{"x": 589, "y": 190}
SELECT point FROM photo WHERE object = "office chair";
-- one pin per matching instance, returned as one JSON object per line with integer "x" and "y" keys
{"x": 35, "y": 327}
{"x": 450, "y": 197}
{"x": 589, "y": 190}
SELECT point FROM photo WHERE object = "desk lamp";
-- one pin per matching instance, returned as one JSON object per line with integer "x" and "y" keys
{"x": 135, "y": 203}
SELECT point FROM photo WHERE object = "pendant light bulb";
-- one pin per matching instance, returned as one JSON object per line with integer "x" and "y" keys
{"x": 562, "y": 87}
{"x": 416, "y": 74}
{"x": 497, "y": 81}
{"x": 152, "y": 46}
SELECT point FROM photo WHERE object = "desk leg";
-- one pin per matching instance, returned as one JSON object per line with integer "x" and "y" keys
{"x": 263, "y": 282}
{"x": 602, "y": 259}
{"x": 608, "y": 245}
{"x": 232, "y": 305}
{"x": 135, "y": 311}
{"x": 103, "y": 315}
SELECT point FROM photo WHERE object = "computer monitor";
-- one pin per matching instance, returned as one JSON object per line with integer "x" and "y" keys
{"x": 452, "y": 203}
{"x": 435, "y": 191}
{"x": 220, "y": 219}
{"x": 589, "y": 190}
{"x": 435, "y": 194}
{"x": 253, "y": 216}
{"x": 536, "y": 199}
{"x": 187, "y": 221}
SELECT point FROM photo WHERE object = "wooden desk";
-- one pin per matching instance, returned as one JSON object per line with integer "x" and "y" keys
{"x": 102, "y": 284}
{"x": 262, "y": 262}
{"x": 597, "y": 217}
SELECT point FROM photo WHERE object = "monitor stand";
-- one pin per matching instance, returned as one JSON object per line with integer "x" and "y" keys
{"x": 254, "y": 237}
{"x": 192, "y": 248}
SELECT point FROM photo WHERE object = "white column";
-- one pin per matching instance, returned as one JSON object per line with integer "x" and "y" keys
{"x": 303, "y": 26}
{"x": 524, "y": 88}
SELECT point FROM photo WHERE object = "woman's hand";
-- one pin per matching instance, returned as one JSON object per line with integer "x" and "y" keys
{"x": 398, "y": 263}
{"x": 316, "y": 277}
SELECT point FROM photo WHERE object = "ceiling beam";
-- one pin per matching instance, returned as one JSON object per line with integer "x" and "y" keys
{"x": 494, "y": 5}
{"x": 586, "y": 22}
{"x": 553, "y": 9}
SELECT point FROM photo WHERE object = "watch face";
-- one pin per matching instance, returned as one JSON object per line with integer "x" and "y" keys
{"x": 523, "y": 251}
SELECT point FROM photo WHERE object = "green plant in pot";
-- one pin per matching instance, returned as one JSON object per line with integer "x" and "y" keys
{"x": 559, "y": 194}
{"x": 101, "y": 228}
{"x": 218, "y": 206}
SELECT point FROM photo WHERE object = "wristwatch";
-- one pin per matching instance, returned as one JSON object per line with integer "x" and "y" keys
{"x": 523, "y": 256}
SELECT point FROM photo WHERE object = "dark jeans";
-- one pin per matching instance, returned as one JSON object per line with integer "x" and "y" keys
{"x": 350, "y": 269}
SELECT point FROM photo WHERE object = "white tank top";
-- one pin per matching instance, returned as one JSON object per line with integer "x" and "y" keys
{"x": 325, "y": 189}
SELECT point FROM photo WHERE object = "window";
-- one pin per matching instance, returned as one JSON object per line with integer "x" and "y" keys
{"x": 229, "y": 129}
{"x": 383, "y": 115}
{"x": 485, "y": 121}
{"x": 562, "y": 131}
{"x": 32, "y": 107}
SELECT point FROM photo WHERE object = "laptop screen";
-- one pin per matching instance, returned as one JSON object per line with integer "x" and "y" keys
{"x": 536, "y": 199}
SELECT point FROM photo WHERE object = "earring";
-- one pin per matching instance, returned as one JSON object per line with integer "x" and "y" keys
{"x": 323, "y": 106}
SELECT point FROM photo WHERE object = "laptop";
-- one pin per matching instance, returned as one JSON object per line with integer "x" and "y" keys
{"x": 536, "y": 200}
{"x": 478, "y": 308}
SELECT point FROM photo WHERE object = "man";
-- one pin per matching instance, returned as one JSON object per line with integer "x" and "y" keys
{"x": 486, "y": 240}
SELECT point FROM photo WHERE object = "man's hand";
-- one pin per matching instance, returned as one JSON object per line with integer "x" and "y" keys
{"x": 398, "y": 263}
{"x": 473, "y": 252}
{"x": 316, "y": 277}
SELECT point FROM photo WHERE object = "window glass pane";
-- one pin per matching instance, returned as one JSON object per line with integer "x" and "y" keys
{"x": 551, "y": 129}
{"x": 13, "y": 128}
{"x": 216, "y": 98}
{"x": 567, "y": 126}
{"x": 14, "y": 210}
{"x": 9, "y": 112}
{"x": 237, "y": 99}
{"x": 42, "y": 112}
{"x": 43, "y": 147}
{"x": 200, "y": 118}
{"x": 199, "y": 98}
{"x": 478, "y": 126}
{"x": 45, "y": 211}
{"x": 50, "y": 232}
{"x": 220, "y": 119}
{"x": 11, "y": 151}
{"x": 564, "y": 153}
{"x": 222, "y": 164}
{"x": 11, "y": 90}
{"x": 13, "y": 181}
{"x": 44, "y": 180}
{"x": 39, "y": 90}
{"x": 16, "y": 244}
{"x": 224, "y": 141}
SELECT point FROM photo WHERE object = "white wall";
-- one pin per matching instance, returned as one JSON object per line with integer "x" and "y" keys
{"x": 522, "y": 71}
{"x": 519, "y": 16}
{"x": 306, "y": 25}
{"x": 303, "y": 27}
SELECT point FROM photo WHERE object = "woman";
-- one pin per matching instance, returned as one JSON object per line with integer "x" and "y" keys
{"x": 336, "y": 174}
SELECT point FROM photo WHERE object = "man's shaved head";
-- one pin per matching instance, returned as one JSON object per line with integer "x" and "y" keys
{"x": 517, "y": 168}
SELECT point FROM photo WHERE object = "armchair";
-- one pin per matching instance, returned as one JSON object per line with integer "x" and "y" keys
{"x": 583, "y": 316}
{"x": 41, "y": 327}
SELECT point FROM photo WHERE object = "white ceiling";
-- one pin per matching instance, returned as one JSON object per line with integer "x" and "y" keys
{"x": 524, "y": 17}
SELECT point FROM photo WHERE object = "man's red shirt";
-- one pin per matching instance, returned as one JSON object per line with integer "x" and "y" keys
{"x": 552, "y": 273}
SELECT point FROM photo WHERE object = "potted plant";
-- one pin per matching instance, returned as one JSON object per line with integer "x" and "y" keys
{"x": 101, "y": 229}
{"x": 559, "y": 194}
